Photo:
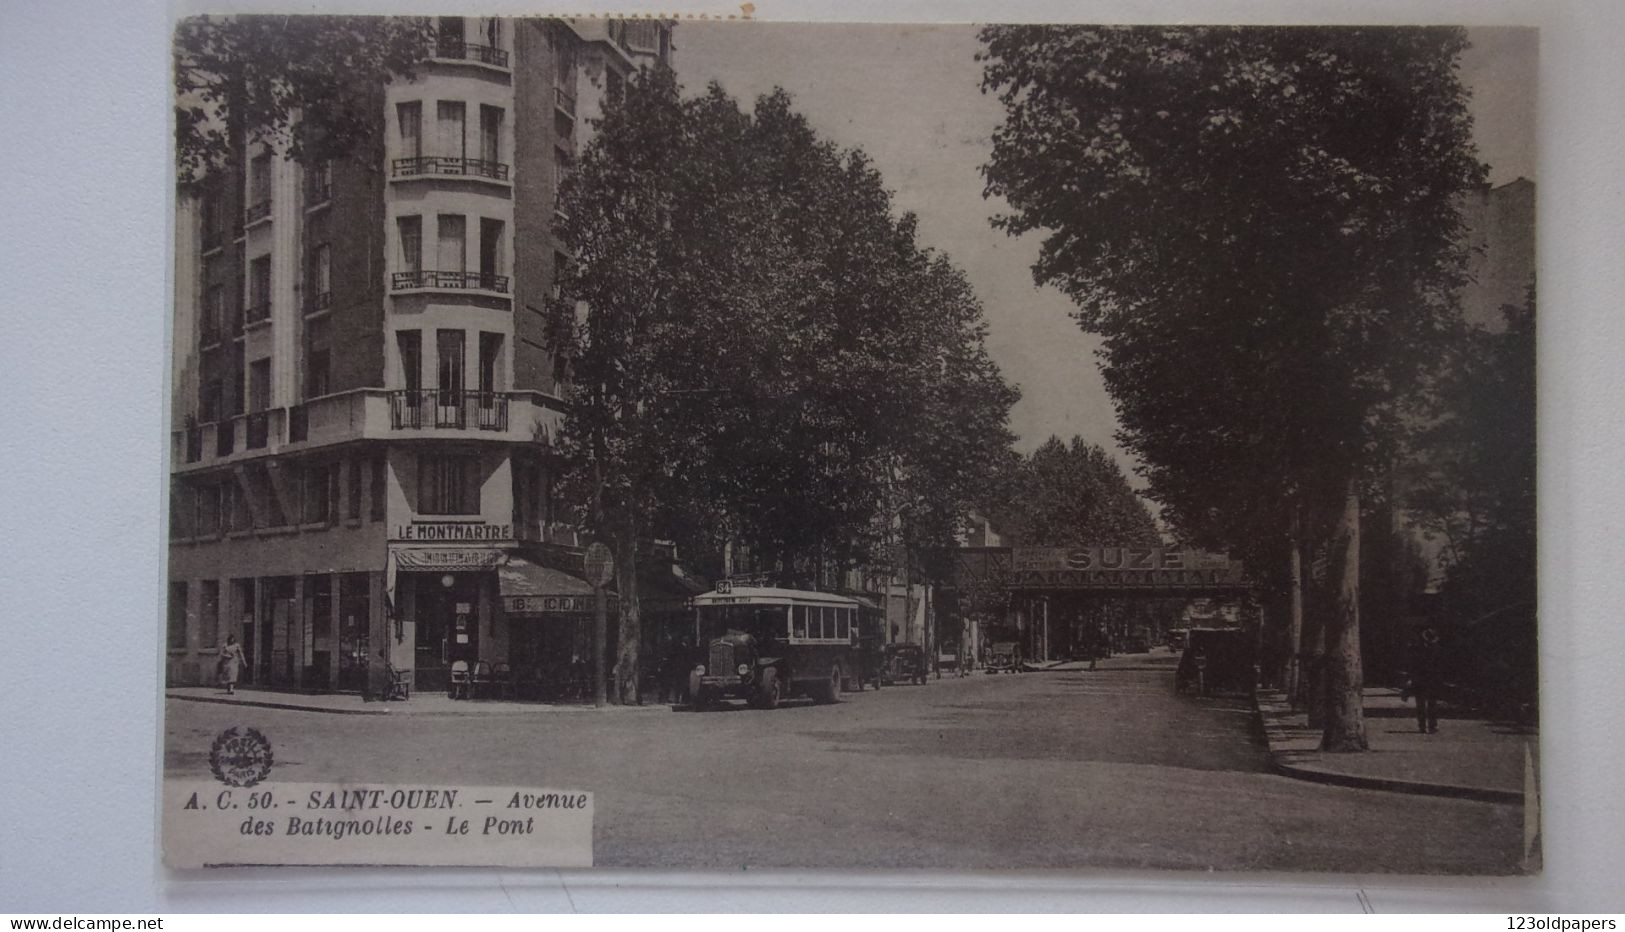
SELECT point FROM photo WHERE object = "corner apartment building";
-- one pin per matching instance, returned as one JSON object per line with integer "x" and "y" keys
{"x": 364, "y": 395}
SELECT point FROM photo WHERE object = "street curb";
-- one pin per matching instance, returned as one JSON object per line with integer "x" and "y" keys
{"x": 285, "y": 706}
{"x": 1387, "y": 784}
{"x": 469, "y": 713}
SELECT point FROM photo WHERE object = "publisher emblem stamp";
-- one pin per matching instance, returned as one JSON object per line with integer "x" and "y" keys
{"x": 240, "y": 757}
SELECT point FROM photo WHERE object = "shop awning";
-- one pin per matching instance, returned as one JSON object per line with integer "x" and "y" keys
{"x": 529, "y": 588}
{"x": 662, "y": 590}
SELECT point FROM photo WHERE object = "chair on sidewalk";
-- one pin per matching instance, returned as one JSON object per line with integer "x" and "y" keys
{"x": 459, "y": 688}
{"x": 399, "y": 685}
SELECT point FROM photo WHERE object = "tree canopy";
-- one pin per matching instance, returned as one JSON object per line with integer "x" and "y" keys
{"x": 1263, "y": 225}
{"x": 758, "y": 348}
{"x": 246, "y": 77}
{"x": 1066, "y": 494}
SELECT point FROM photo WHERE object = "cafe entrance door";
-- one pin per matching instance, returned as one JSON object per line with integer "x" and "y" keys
{"x": 448, "y": 628}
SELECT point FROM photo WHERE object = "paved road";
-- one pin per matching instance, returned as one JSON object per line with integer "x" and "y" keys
{"x": 1099, "y": 769}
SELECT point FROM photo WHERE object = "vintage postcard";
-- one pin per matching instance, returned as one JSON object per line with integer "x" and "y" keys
{"x": 688, "y": 443}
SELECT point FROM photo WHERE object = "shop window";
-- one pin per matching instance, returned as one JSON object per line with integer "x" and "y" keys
{"x": 177, "y": 615}
{"x": 448, "y": 484}
{"x": 208, "y": 610}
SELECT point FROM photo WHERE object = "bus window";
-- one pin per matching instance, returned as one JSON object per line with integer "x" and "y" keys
{"x": 826, "y": 626}
{"x": 800, "y": 629}
{"x": 843, "y": 623}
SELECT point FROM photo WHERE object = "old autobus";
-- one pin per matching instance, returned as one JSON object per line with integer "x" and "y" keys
{"x": 765, "y": 644}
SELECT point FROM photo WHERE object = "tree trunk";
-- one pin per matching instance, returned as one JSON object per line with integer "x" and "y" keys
{"x": 1344, "y": 728}
{"x": 1294, "y": 661}
{"x": 628, "y": 657}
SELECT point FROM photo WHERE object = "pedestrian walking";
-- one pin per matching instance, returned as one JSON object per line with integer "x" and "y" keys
{"x": 1425, "y": 681}
{"x": 230, "y": 664}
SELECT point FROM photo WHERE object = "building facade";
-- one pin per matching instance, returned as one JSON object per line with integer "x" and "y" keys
{"x": 364, "y": 394}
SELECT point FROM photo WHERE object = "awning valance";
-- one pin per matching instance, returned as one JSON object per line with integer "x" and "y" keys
{"x": 529, "y": 588}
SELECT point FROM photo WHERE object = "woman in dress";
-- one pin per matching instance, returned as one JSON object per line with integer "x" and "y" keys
{"x": 231, "y": 663}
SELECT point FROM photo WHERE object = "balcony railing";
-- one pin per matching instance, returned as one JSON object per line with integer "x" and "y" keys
{"x": 258, "y": 433}
{"x": 448, "y": 165}
{"x": 257, "y": 211}
{"x": 225, "y": 437}
{"x": 451, "y": 48}
{"x": 402, "y": 281}
{"x": 565, "y": 102}
{"x": 450, "y": 409}
{"x": 255, "y": 313}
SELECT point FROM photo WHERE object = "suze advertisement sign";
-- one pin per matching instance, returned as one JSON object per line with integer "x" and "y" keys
{"x": 1119, "y": 567}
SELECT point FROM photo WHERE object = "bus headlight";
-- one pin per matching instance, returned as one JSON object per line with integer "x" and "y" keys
{"x": 699, "y": 668}
{"x": 744, "y": 669}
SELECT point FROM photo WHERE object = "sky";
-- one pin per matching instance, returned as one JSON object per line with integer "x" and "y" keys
{"x": 910, "y": 96}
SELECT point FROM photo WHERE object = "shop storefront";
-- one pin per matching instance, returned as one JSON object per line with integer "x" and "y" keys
{"x": 548, "y": 616}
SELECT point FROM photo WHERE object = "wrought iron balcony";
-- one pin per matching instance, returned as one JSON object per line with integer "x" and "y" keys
{"x": 403, "y": 281}
{"x": 448, "y": 165}
{"x": 485, "y": 54}
{"x": 448, "y": 409}
{"x": 257, "y": 211}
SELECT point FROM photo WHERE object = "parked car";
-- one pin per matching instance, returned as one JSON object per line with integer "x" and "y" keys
{"x": 1136, "y": 644}
{"x": 1176, "y": 638}
{"x": 1005, "y": 657}
{"x": 1216, "y": 660}
{"x": 904, "y": 663}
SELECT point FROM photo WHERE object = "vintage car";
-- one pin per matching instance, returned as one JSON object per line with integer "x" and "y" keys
{"x": 1216, "y": 660}
{"x": 1005, "y": 657}
{"x": 904, "y": 663}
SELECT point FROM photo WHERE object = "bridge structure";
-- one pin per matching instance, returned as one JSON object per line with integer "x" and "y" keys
{"x": 1067, "y": 601}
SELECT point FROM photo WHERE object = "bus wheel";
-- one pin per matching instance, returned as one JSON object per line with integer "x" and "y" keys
{"x": 703, "y": 701}
{"x": 767, "y": 695}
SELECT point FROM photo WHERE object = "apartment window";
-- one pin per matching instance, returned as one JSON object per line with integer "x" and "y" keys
{"x": 320, "y": 183}
{"x": 561, "y": 267}
{"x": 449, "y": 349}
{"x": 237, "y": 374}
{"x": 490, "y": 361}
{"x": 450, "y": 114}
{"x": 380, "y": 488}
{"x": 493, "y": 32}
{"x": 448, "y": 484}
{"x": 318, "y": 493}
{"x": 177, "y": 615}
{"x": 490, "y": 133}
{"x": 318, "y": 358}
{"x": 214, "y": 218}
{"x": 259, "y": 182}
{"x": 352, "y": 508}
{"x": 452, "y": 253}
{"x": 451, "y": 36}
{"x": 211, "y": 400}
{"x": 259, "y": 289}
{"x": 411, "y": 230}
{"x": 321, "y": 277}
{"x": 259, "y": 385}
{"x": 410, "y": 118}
{"x": 490, "y": 250}
{"x": 234, "y": 505}
{"x": 214, "y": 313}
{"x": 410, "y": 345}
{"x": 208, "y": 611}
{"x": 207, "y": 516}
{"x": 561, "y": 168}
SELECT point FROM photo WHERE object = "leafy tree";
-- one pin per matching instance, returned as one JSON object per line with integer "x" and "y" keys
{"x": 1262, "y": 225}
{"x": 250, "y": 77}
{"x": 763, "y": 352}
{"x": 1066, "y": 494}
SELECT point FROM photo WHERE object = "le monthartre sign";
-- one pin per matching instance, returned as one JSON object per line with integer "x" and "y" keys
{"x": 1121, "y": 567}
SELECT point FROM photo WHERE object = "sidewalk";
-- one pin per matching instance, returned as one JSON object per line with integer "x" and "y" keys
{"x": 421, "y": 704}
{"x": 1469, "y": 758}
